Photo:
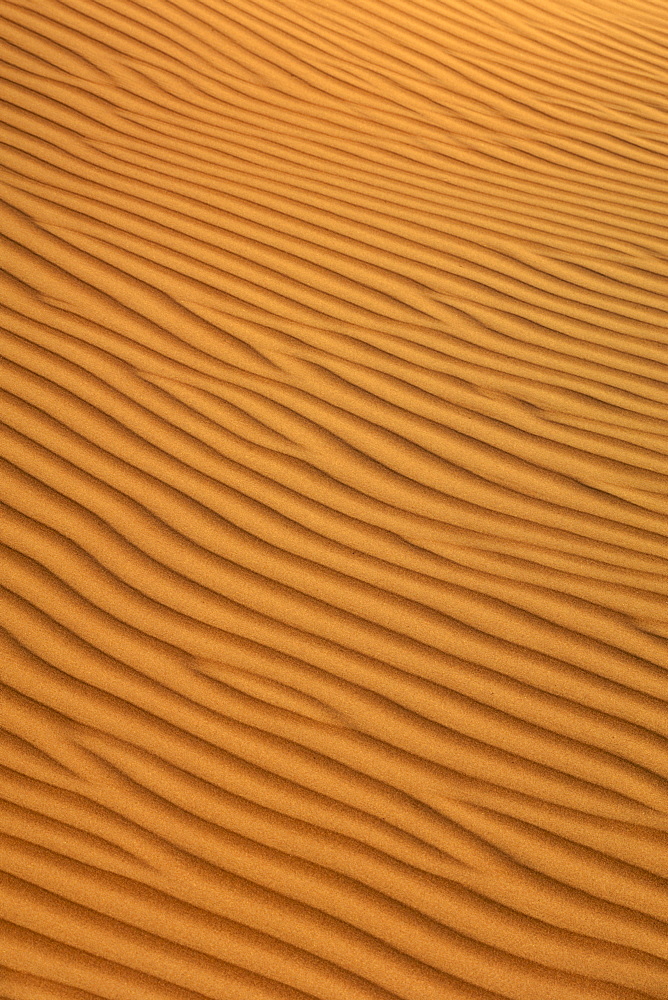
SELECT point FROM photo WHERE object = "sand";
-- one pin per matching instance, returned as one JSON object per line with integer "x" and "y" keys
{"x": 334, "y": 523}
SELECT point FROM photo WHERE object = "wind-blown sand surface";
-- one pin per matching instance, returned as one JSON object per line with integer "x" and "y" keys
{"x": 334, "y": 517}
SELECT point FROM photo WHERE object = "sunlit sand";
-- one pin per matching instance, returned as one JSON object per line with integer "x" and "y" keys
{"x": 334, "y": 522}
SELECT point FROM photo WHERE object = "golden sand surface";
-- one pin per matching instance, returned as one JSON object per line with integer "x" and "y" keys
{"x": 334, "y": 500}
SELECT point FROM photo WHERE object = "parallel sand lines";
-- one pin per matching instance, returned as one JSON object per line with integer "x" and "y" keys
{"x": 334, "y": 450}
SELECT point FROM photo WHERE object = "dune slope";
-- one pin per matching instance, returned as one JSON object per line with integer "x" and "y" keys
{"x": 334, "y": 450}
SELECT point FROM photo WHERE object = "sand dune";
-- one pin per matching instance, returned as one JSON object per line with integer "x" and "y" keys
{"x": 333, "y": 488}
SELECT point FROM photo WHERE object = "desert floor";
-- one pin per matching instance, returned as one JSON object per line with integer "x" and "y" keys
{"x": 334, "y": 500}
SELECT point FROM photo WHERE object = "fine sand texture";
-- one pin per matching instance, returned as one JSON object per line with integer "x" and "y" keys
{"x": 334, "y": 500}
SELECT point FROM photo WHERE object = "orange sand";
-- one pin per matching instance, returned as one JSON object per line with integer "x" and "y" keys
{"x": 334, "y": 518}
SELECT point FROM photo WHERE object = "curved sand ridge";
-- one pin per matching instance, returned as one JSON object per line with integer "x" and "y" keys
{"x": 334, "y": 467}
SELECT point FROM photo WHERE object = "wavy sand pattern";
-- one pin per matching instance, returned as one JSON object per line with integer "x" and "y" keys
{"x": 334, "y": 519}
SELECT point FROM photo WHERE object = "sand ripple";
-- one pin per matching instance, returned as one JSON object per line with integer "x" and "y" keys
{"x": 334, "y": 461}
